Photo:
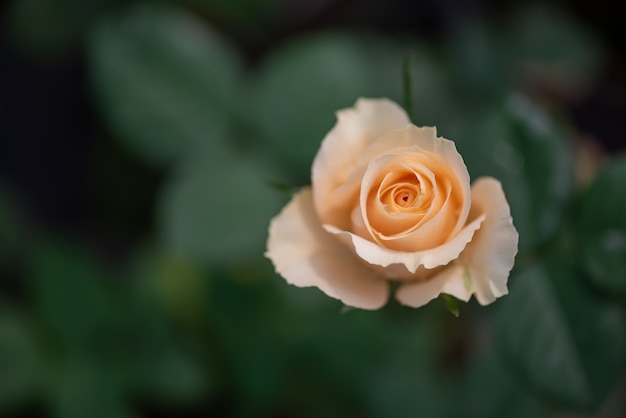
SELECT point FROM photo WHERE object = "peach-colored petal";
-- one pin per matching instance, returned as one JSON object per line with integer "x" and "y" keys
{"x": 490, "y": 256}
{"x": 426, "y": 139}
{"x": 451, "y": 280}
{"x": 419, "y": 228}
{"x": 386, "y": 217}
{"x": 431, "y": 258}
{"x": 355, "y": 130}
{"x": 306, "y": 255}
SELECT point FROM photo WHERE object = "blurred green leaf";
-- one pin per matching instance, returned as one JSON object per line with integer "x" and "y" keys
{"x": 406, "y": 379}
{"x": 522, "y": 146}
{"x": 537, "y": 47}
{"x": 488, "y": 391}
{"x": 553, "y": 50}
{"x": 477, "y": 58}
{"x": 168, "y": 373}
{"x": 375, "y": 364}
{"x": 79, "y": 387}
{"x": 565, "y": 342}
{"x": 602, "y": 227}
{"x": 451, "y": 304}
{"x": 164, "y": 81}
{"x": 153, "y": 348}
{"x": 70, "y": 292}
{"x": 217, "y": 210}
{"x": 303, "y": 83}
{"x": 20, "y": 360}
{"x": 431, "y": 95}
{"x": 547, "y": 167}
{"x": 176, "y": 285}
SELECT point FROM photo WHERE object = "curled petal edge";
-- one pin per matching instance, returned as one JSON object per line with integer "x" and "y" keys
{"x": 453, "y": 280}
{"x": 490, "y": 256}
{"x": 429, "y": 259}
{"x": 356, "y": 129}
{"x": 483, "y": 267}
{"x": 306, "y": 255}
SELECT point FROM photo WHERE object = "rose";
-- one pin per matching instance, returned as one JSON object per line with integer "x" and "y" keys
{"x": 391, "y": 201}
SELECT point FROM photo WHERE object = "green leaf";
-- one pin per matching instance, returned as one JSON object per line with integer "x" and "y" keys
{"x": 176, "y": 285}
{"x": 554, "y": 50}
{"x": 547, "y": 168}
{"x": 521, "y": 145}
{"x": 562, "y": 340}
{"x": 216, "y": 210}
{"x": 164, "y": 81}
{"x": 432, "y": 103}
{"x": 20, "y": 360}
{"x": 164, "y": 306}
{"x": 70, "y": 292}
{"x": 303, "y": 83}
{"x": 488, "y": 391}
{"x": 286, "y": 189}
{"x": 477, "y": 58}
{"x": 602, "y": 227}
{"x": 168, "y": 372}
{"x": 79, "y": 387}
{"x": 451, "y": 304}
{"x": 407, "y": 376}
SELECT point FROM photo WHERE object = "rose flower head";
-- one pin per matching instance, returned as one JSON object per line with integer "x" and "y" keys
{"x": 392, "y": 201}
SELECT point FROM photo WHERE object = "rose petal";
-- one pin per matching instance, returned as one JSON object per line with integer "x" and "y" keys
{"x": 355, "y": 130}
{"x": 426, "y": 139}
{"x": 431, "y": 258}
{"x": 430, "y": 229}
{"x": 490, "y": 256}
{"x": 380, "y": 220}
{"x": 452, "y": 281}
{"x": 306, "y": 255}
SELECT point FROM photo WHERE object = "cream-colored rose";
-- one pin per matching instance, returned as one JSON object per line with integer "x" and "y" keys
{"x": 391, "y": 201}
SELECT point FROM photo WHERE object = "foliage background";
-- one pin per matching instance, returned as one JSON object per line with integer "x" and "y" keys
{"x": 138, "y": 147}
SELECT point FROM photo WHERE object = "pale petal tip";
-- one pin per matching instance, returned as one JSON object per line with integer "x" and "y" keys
{"x": 305, "y": 255}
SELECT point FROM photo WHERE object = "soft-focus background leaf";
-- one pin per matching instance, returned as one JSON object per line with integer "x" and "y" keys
{"x": 487, "y": 390}
{"x": 602, "y": 227}
{"x": 322, "y": 73}
{"x": 553, "y": 49}
{"x": 564, "y": 340}
{"x": 216, "y": 208}
{"x": 523, "y": 146}
{"x": 20, "y": 360}
{"x": 70, "y": 292}
{"x": 166, "y": 83}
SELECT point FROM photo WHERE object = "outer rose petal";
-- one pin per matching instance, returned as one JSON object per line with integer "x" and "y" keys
{"x": 355, "y": 130}
{"x": 306, "y": 255}
{"x": 431, "y": 258}
{"x": 483, "y": 267}
{"x": 450, "y": 281}
{"x": 490, "y": 256}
